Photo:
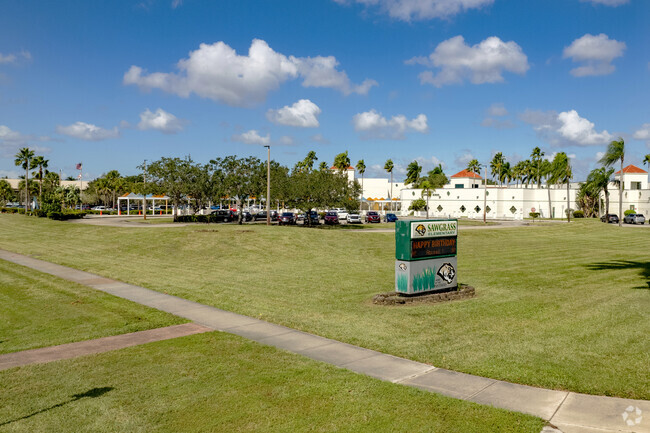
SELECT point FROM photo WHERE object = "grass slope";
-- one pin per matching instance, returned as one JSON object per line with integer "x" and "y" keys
{"x": 38, "y": 310}
{"x": 558, "y": 306}
{"x": 216, "y": 382}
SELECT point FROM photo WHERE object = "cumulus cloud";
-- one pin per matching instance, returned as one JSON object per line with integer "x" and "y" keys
{"x": 15, "y": 58}
{"x": 484, "y": 62}
{"x": 643, "y": 133}
{"x": 497, "y": 109}
{"x": 252, "y": 137}
{"x": 87, "y": 131}
{"x": 319, "y": 138}
{"x": 217, "y": 72}
{"x": 161, "y": 120}
{"x": 596, "y": 54}
{"x": 494, "y": 115}
{"x": 285, "y": 140}
{"x": 302, "y": 114}
{"x": 373, "y": 125}
{"x": 565, "y": 128}
{"x": 11, "y": 141}
{"x": 606, "y": 2}
{"x": 416, "y": 10}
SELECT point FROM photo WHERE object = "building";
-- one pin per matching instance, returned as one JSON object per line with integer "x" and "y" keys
{"x": 636, "y": 192}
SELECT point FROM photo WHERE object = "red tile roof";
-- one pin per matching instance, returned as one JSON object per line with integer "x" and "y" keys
{"x": 466, "y": 173}
{"x": 336, "y": 168}
{"x": 632, "y": 169}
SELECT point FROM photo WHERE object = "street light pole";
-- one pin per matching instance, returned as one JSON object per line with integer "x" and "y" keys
{"x": 144, "y": 190}
{"x": 485, "y": 197}
{"x": 268, "y": 185}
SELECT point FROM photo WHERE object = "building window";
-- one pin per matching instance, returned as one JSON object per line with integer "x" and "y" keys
{"x": 459, "y": 185}
{"x": 477, "y": 209}
{"x": 439, "y": 208}
{"x": 448, "y": 193}
{"x": 487, "y": 209}
{"x": 463, "y": 209}
{"x": 474, "y": 185}
{"x": 513, "y": 209}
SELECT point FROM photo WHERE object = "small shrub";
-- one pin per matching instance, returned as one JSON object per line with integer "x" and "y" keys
{"x": 533, "y": 215}
{"x": 627, "y": 212}
{"x": 578, "y": 214}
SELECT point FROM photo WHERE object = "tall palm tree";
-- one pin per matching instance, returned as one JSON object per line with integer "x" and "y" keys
{"x": 361, "y": 168}
{"x": 616, "y": 152}
{"x": 496, "y": 165}
{"x": 389, "y": 166}
{"x": 426, "y": 190}
{"x": 506, "y": 173}
{"x": 598, "y": 180}
{"x": 518, "y": 172}
{"x": 546, "y": 171}
{"x": 342, "y": 161}
{"x": 562, "y": 174}
{"x": 41, "y": 163}
{"x": 646, "y": 160}
{"x": 536, "y": 163}
{"x": 474, "y": 167}
{"x": 413, "y": 174}
{"x": 24, "y": 158}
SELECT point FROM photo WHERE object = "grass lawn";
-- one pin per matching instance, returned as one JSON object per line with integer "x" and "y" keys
{"x": 39, "y": 310}
{"x": 558, "y": 306}
{"x": 222, "y": 383}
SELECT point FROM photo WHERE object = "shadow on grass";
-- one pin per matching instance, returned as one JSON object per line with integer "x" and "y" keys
{"x": 644, "y": 268}
{"x": 92, "y": 393}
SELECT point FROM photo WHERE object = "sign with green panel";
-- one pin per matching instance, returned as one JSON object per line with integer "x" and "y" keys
{"x": 425, "y": 253}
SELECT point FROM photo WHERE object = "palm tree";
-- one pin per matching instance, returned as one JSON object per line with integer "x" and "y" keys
{"x": 413, "y": 174}
{"x": 616, "y": 152}
{"x": 41, "y": 163}
{"x": 506, "y": 173}
{"x": 518, "y": 172}
{"x": 598, "y": 180}
{"x": 562, "y": 174}
{"x": 426, "y": 190}
{"x": 24, "y": 158}
{"x": 322, "y": 166}
{"x": 646, "y": 160}
{"x": 536, "y": 164}
{"x": 546, "y": 171}
{"x": 342, "y": 161}
{"x": 496, "y": 165}
{"x": 389, "y": 168}
{"x": 361, "y": 168}
{"x": 474, "y": 167}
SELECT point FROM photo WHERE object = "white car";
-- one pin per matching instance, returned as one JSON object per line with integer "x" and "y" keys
{"x": 634, "y": 219}
{"x": 354, "y": 218}
{"x": 343, "y": 214}
{"x": 102, "y": 208}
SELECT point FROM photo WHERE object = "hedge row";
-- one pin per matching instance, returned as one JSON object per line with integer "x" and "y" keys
{"x": 55, "y": 215}
{"x": 198, "y": 219}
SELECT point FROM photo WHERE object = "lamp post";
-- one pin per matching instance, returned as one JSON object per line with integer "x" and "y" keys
{"x": 144, "y": 190}
{"x": 268, "y": 185}
{"x": 485, "y": 196}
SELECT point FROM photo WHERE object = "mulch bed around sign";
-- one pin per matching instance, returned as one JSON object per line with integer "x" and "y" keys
{"x": 393, "y": 298}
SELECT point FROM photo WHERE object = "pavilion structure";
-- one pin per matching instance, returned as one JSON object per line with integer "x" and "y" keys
{"x": 139, "y": 198}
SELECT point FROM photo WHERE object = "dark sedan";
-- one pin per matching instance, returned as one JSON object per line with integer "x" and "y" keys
{"x": 373, "y": 217}
{"x": 287, "y": 218}
{"x": 331, "y": 218}
{"x": 262, "y": 216}
{"x": 390, "y": 218}
{"x": 609, "y": 218}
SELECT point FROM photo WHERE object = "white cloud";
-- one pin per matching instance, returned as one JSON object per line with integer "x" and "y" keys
{"x": 303, "y": 114}
{"x": 643, "y": 133}
{"x": 497, "y": 109}
{"x": 566, "y": 128}
{"x": 319, "y": 138}
{"x": 177, "y": 3}
{"x": 252, "y": 137}
{"x": 408, "y": 10}
{"x": 606, "y": 2}
{"x": 285, "y": 140}
{"x": 217, "y": 72}
{"x": 161, "y": 120}
{"x": 492, "y": 120}
{"x": 596, "y": 53}
{"x": 14, "y": 58}
{"x": 11, "y": 141}
{"x": 87, "y": 131}
{"x": 374, "y": 125}
{"x": 464, "y": 158}
{"x": 482, "y": 63}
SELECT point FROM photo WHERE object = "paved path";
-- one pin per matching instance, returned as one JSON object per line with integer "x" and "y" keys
{"x": 570, "y": 412}
{"x": 98, "y": 345}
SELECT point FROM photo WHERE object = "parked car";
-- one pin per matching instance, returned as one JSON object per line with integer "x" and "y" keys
{"x": 102, "y": 208}
{"x": 313, "y": 218}
{"x": 224, "y": 215}
{"x": 262, "y": 216}
{"x": 342, "y": 213}
{"x": 331, "y": 218}
{"x": 354, "y": 218}
{"x": 247, "y": 216}
{"x": 634, "y": 218}
{"x": 373, "y": 217}
{"x": 287, "y": 218}
{"x": 609, "y": 218}
{"x": 390, "y": 218}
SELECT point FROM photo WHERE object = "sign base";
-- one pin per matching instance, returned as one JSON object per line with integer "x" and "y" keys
{"x": 422, "y": 276}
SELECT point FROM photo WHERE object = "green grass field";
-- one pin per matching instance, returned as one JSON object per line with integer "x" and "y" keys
{"x": 221, "y": 383}
{"x": 558, "y": 306}
{"x": 40, "y": 310}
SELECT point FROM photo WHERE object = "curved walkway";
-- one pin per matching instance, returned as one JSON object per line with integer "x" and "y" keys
{"x": 570, "y": 412}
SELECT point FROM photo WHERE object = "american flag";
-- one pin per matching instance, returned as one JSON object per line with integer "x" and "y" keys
{"x": 78, "y": 166}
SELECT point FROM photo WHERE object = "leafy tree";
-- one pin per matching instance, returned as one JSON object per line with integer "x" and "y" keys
{"x": 6, "y": 192}
{"x": 41, "y": 163}
{"x": 587, "y": 199}
{"x": 506, "y": 173}
{"x": 496, "y": 166}
{"x": 598, "y": 180}
{"x": 171, "y": 175}
{"x": 518, "y": 171}
{"x": 361, "y": 168}
{"x": 51, "y": 181}
{"x": 537, "y": 157}
{"x": 436, "y": 178}
{"x": 413, "y": 171}
{"x": 24, "y": 159}
{"x": 418, "y": 204}
{"x": 307, "y": 163}
{"x": 427, "y": 189}
{"x": 546, "y": 170}
{"x": 241, "y": 178}
{"x": 616, "y": 152}
{"x": 342, "y": 162}
{"x": 474, "y": 166}
{"x": 646, "y": 160}
{"x": 322, "y": 165}
{"x": 562, "y": 174}
{"x": 389, "y": 166}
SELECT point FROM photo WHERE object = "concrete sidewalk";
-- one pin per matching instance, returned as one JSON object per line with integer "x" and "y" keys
{"x": 569, "y": 411}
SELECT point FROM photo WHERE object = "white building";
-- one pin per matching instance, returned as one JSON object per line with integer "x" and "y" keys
{"x": 636, "y": 192}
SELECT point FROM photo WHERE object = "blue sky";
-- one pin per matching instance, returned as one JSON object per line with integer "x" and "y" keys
{"x": 112, "y": 83}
